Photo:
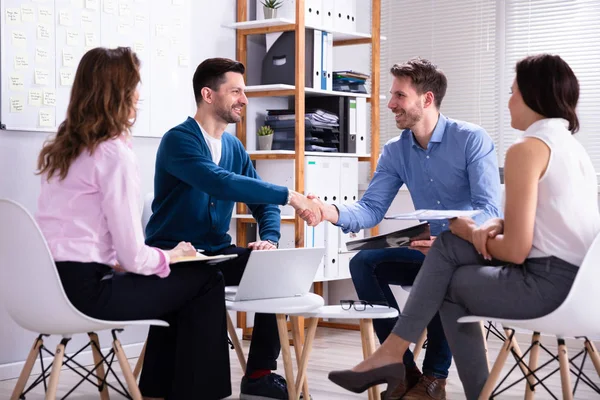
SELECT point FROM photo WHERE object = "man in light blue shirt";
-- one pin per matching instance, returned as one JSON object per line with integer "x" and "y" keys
{"x": 446, "y": 165}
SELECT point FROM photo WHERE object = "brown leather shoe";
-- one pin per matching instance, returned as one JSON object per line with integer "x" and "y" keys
{"x": 413, "y": 376}
{"x": 428, "y": 388}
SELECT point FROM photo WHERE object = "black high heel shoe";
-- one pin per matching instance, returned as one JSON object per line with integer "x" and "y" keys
{"x": 358, "y": 382}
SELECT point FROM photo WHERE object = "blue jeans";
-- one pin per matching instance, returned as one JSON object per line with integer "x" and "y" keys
{"x": 372, "y": 272}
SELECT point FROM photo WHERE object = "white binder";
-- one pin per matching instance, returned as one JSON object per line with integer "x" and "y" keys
{"x": 329, "y": 60}
{"x": 327, "y": 14}
{"x": 361, "y": 125}
{"x": 318, "y": 59}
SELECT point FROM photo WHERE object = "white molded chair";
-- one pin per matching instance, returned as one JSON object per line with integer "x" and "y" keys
{"x": 575, "y": 317}
{"x": 33, "y": 295}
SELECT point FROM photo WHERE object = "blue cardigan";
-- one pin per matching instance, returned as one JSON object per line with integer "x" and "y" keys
{"x": 194, "y": 197}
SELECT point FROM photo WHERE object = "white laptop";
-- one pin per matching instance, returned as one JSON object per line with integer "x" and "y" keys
{"x": 277, "y": 273}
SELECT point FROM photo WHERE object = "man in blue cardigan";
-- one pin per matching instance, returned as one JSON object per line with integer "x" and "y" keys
{"x": 201, "y": 171}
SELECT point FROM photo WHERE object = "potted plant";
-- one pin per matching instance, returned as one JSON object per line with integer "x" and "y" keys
{"x": 270, "y": 7}
{"x": 265, "y": 137}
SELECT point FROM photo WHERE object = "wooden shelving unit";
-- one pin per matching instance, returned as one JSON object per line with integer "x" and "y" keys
{"x": 245, "y": 28}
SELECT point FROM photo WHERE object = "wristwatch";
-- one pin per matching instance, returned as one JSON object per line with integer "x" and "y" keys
{"x": 276, "y": 244}
{"x": 289, "y": 198}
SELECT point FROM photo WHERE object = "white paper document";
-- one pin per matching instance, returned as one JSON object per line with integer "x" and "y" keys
{"x": 434, "y": 214}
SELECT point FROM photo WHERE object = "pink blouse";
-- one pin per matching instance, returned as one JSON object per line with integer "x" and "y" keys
{"x": 93, "y": 215}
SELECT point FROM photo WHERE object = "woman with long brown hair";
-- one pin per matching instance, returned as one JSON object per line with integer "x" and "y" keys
{"x": 89, "y": 213}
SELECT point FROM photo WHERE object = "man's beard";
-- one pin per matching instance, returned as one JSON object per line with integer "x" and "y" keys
{"x": 228, "y": 115}
{"x": 410, "y": 118}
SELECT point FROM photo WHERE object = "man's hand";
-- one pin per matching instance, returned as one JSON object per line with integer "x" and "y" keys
{"x": 261, "y": 245}
{"x": 307, "y": 209}
{"x": 328, "y": 211}
{"x": 489, "y": 230}
{"x": 422, "y": 245}
{"x": 463, "y": 228}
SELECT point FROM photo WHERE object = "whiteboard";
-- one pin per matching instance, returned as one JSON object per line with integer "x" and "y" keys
{"x": 42, "y": 42}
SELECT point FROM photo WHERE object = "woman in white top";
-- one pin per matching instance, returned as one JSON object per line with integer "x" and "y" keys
{"x": 89, "y": 213}
{"x": 521, "y": 266}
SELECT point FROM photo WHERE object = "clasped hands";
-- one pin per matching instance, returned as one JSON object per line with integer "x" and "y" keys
{"x": 312, "y": 210}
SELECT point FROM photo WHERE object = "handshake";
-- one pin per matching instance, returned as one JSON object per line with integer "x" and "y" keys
{"x": 312, "y": 210}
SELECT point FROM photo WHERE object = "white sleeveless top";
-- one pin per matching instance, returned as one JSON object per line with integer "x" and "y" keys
{"x": 567, "y": 218}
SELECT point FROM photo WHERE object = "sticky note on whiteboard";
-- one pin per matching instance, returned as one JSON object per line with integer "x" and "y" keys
{"x": 19, "y": 39}
{"x": 184, "y": 60}
{"x": 27, "y": 13}
{"x": 21, "y": 61}
{"x": 40, "y": 76}
{"x": 17, "y": 82}
{"x": 49, "y": 98}
{"x": 43, "y": 32}
{"x": 41, "y": 55}
{"x": 46, "y": 117}
{"x": 17, "y": 105}
{"x": 45, "y": 15}
{"x": 35, "y": 97}
{"x": 13, "y": 16}
{"x": 68, "y": 57}
{"x": 66, "y": 77}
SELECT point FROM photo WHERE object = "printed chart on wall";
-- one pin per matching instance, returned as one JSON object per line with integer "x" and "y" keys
{"x": 43, "y": 41}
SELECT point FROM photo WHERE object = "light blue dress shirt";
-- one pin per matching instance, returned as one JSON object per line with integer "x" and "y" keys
{"x": 457, "y": 171}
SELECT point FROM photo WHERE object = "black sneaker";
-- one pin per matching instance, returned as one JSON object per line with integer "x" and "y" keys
{"x": 268, "y": 387}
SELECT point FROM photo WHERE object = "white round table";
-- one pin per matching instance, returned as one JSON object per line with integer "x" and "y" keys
{"x": 281, "y": 307}
{"x": 365, "y": 319}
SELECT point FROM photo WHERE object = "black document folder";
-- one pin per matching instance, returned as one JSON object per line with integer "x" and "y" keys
{"x": 401, "y": 238}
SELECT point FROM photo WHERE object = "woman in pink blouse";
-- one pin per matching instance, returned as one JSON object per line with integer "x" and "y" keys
{"x": 89, "y": 213}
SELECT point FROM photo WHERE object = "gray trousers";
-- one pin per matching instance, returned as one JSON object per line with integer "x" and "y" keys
{"x": 456, "y": 281}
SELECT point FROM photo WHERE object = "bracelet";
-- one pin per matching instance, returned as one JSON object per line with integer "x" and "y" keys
{"x": 289, "y": 198}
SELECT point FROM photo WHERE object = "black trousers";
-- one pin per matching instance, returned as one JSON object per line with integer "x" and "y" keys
{"x": 187, "y": 360}
{"x": 265, "y": 346}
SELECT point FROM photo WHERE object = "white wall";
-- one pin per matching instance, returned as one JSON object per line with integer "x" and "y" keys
{"x": 19, "y": 150}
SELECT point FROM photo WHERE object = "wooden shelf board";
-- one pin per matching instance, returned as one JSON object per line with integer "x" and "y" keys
{"x": 272, "y": 25}
{"x": 283, "y": 90}
{"x": 291, "y": 155}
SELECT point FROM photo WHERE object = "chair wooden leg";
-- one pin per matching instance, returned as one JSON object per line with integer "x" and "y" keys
{"x": 302, "y": 379}
{"x": 59, "y": 355}
{"x": 533, "y": 363}
{"x": 98, "y": 361}
{"x": 236, "y": 343}
{"x": 419, "y": 345}
{"x": 132, "y": 385}
{"x": 140, "y": 362}
{"x": 368, "y": 325}
{"x": 485, "y": 344}
{"x": 591, "y": 349}
{"x": 299, "y": 347}
{"x": 490, "y": 384}
{"x": 565, "y": 375}
{"x": 517, "y": 350}
{"x": 286, "y": 354}
{"x": 26, "y": 371}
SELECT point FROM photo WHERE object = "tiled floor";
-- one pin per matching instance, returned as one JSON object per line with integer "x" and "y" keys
{"x": 338, "y": 349}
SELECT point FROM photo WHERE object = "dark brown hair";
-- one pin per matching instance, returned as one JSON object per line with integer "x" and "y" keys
{"x": 211, "y": 74}
{"x": 549, "y": 87}
{"x": 425, "y": 77}
{"x": 99, "y": 108}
